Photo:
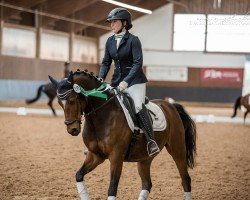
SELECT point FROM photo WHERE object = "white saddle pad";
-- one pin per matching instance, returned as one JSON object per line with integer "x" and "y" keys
{"x": 159, "y": 121}
{"x": 249, "y": 100}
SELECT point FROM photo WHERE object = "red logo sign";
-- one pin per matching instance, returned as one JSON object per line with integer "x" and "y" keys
{"x": 221, "y": 75}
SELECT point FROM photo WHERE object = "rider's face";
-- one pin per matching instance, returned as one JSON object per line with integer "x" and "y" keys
{"x": 116, "y": 25}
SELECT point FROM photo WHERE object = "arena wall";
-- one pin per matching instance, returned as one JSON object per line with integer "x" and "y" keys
{"x": 20, "y": 77}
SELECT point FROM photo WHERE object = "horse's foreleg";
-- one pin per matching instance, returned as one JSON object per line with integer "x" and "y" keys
{"x": 91, "y": 162}
{"x": 115, "y": 173}
{"x": 144, "y": 172}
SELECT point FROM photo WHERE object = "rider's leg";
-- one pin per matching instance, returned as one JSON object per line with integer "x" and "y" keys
{"x": 137, "y": 93}
{"x": 146, "y": 125}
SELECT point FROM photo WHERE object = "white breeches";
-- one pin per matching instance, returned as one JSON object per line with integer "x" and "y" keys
{"x": 137, "y": 92}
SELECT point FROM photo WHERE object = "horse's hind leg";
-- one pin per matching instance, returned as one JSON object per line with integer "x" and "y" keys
{"x": 144, "y": 172}
{"x": 91, "y": 162}
{"x": 181, "y": 163}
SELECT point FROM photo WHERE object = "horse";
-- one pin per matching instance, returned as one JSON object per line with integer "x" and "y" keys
{"x": 50, "y": 90}
{"x": 242, "y": 101}
{"x": 107, "y": 135}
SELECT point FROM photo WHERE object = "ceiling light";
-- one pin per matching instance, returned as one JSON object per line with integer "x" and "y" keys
{"x": 129, "y": 6}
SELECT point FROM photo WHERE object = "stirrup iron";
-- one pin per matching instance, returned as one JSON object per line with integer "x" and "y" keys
{"x": 152, "y": 148}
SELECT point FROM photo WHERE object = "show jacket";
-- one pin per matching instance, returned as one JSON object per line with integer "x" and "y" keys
{"x": 127, "y": 58}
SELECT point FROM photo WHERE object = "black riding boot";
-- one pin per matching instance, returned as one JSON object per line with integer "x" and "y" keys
{"x": 146, "y": 125}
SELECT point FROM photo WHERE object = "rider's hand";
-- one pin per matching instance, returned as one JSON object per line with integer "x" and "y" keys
{"x": 123, "y": 85}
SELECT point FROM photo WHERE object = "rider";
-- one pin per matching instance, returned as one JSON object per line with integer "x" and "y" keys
{"x": 66, "y": 68}
{"x": 126, "y": 51}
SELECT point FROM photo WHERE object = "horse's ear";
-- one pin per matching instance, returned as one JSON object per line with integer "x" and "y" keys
{"x": 53, "y": 81}
{"x": 70, "y": 77}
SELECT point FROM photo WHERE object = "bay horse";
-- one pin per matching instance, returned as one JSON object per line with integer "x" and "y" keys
{"x": 107, "y": 135}
{"x": 242, "y": 101}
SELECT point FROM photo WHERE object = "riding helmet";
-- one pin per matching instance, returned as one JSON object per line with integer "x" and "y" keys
{"x": 120, "y": 14}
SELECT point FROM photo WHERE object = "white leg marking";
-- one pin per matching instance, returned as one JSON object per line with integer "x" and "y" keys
{"x": 82, "y": 190}
{"x": 187, "y": 196}
{"x": 111, "y": 198}
{"x": 143, "y": 195}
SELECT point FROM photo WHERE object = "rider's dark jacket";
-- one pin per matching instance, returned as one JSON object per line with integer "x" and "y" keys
{"x": 127, "y": 58}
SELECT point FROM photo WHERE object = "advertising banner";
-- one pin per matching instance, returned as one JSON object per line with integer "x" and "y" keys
{"x": 167, "y": 73}
{"x": 225, "y": 75}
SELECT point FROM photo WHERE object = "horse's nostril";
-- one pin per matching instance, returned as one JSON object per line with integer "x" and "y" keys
{"x": 74, "y": 132}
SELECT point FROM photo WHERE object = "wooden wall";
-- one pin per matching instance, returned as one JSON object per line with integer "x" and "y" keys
{"x": 16, "y": 68}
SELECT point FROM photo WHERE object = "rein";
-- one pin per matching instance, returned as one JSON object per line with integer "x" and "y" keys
{"x": 96, "y": 93}
{"x": 98, "y": 108}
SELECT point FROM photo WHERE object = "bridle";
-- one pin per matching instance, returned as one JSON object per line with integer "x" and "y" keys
{"x": 101, "y": 106}
{"x": 67, "y": 122}
{"x": 65, "y": 95}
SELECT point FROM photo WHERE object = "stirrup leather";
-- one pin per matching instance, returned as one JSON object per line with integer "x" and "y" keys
{"x": 152, "y": 148}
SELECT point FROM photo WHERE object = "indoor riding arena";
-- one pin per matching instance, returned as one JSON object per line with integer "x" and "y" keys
{"x": 196, "y": 56}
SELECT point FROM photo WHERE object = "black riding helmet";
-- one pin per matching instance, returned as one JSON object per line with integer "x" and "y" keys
{"x": 120, "y": 14}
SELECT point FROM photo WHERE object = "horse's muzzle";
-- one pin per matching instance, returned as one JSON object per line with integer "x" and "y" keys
{"x": 74, "y": 129}
{"x": 74, "y": 132}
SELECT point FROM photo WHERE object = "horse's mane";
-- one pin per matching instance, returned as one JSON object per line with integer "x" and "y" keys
{"x": 88, "y": 74}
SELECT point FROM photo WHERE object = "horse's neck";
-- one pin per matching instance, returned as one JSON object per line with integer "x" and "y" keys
{"x": 102, "y": 111}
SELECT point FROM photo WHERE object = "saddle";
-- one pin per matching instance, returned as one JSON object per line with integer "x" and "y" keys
{"x": 156, "y": 113}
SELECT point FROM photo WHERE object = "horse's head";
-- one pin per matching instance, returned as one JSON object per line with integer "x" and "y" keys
{"x": 74, "y": 104}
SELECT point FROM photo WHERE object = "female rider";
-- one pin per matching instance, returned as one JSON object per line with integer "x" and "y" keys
{"x": 125, "y": 49}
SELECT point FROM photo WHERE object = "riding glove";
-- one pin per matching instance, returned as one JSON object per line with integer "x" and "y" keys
{"x": 123, "y": 85}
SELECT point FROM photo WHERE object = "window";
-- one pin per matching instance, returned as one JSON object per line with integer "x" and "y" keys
{"x": 228, "y": 33}
{"x": 54, "y": 46}
{"x": 84, "y": 50}
{"x": 18, "y": 42}
{"x": 189, "y": 32}
{"x": 225, "y": 33}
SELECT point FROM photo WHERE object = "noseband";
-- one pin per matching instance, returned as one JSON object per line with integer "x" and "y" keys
{"x": 67, "y": 122}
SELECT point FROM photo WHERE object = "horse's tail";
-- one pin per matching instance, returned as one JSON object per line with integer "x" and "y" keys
{"x": 39, "y": 91}
{"x": 236, "y": 106}
{"x": 190, "y": 134}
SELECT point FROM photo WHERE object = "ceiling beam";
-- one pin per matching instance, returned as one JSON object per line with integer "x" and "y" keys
{"x": 89, "y": 15}
{"x": 9, "y": 12}
{"x": 64, "y": 8}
